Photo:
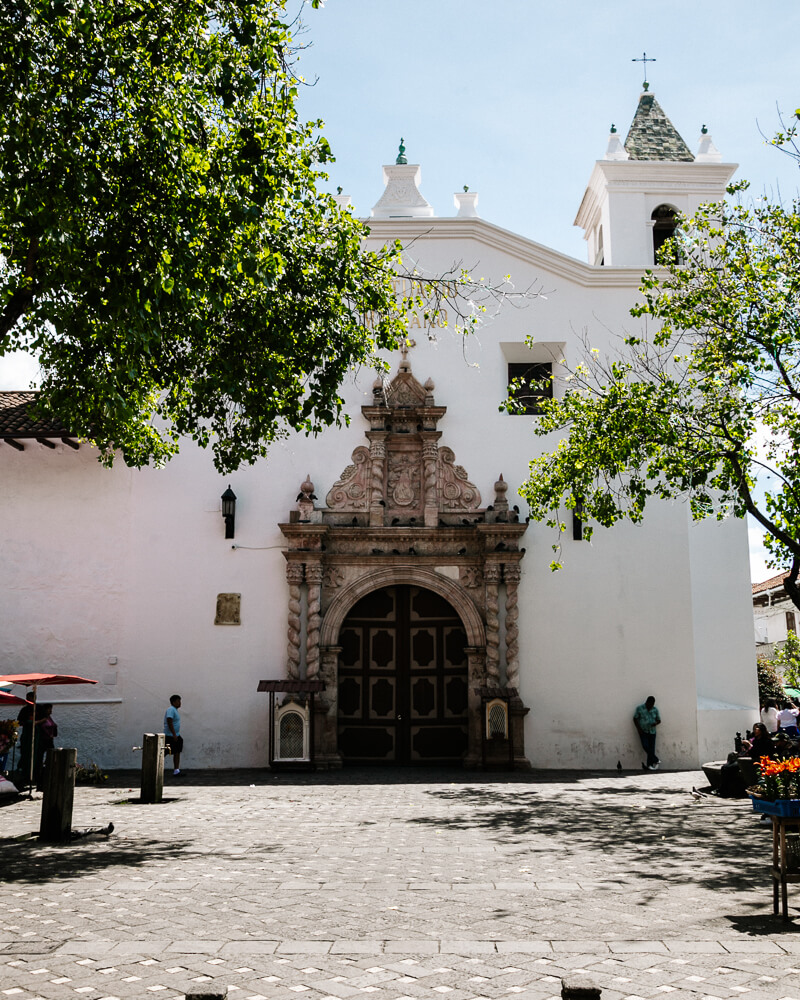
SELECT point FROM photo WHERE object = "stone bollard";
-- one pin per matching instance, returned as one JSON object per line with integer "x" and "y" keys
{"x": 206, "y": 993}
{"x": 577, "y": 989}
{"x": 152, "y": 767}
{"x": 59, "y": 793}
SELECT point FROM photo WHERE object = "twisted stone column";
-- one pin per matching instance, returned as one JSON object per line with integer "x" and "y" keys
{"x": 511, "y": 574}
{"x": 430, "y": 453}
{"x": 491, "y": 576}
{"x": 377, "y": 452}
{"x": 294, "y": 576}
{"x": 314, "y": 582}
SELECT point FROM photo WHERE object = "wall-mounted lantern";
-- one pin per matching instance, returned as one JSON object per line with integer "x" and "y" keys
{"x": 229, "y": 511}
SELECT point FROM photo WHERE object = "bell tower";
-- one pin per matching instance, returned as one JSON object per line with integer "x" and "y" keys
{"x": 629, "y": 205}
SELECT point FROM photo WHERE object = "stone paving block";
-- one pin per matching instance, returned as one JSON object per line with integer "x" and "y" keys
{"x": 584, "y": 947}
{"x": 304, "y": 947}
{"x": 524, "y": 947}
{"x": 789, "y": 943}
{"x": 246, "y": 948}
{"x": 694, "y": 947}
{"x": 411, "y": 947}
{"x": 656, "y": 947}
{"x": 753, "y": 945}
{"x": 467, "y": 948}
{"x": 186, "y": 947}
{"x": 356, "y": 948}
{"x": 87, "y": 948}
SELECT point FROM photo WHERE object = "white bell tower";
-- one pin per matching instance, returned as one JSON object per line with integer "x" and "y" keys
{"x": 634, "y": 191}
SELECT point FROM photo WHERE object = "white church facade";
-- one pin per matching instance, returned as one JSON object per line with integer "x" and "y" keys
{"x": 391, "y": 562}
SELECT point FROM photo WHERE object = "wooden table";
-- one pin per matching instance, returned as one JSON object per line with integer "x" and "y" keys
{"x": 781, "y": 873}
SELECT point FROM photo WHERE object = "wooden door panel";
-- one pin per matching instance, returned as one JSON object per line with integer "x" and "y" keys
{"x": 402, "y": 679}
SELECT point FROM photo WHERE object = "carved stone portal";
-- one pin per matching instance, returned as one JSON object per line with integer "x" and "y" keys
{"x": 404, "y": 513}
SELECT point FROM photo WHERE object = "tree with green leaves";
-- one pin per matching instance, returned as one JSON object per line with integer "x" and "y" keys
{"x": 704, "y": 407}
{"x": 165, "y": 250}
{"x": 770, "y": 687}
{"x": 786, "y": 660}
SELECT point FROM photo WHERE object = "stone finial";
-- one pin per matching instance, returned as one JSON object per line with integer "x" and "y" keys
{"x": 466, "y": 202}
{"x": 500, "y": 490}
{"x": 429, "y": 387}
{"x": 615, "y": 149}
{"x": 406, "y": 345}
{"x": 707, "y": 152}
{"x": 305, "y": 499}
{"x": 401, "y": 199}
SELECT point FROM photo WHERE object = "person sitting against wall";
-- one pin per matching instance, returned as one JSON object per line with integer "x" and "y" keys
{"x": 769, "y": 716}
{"x": 761, "y": 745}
{"x": 787, "y": 720}
{"x": 732, "y": 783}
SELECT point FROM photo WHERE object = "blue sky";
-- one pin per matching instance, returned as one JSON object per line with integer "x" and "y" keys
{"x": 515, "y": 99}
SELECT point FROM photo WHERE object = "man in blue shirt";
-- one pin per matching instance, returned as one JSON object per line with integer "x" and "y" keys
{"x": 172, "y": 732}
{"x": 646, "y": 718}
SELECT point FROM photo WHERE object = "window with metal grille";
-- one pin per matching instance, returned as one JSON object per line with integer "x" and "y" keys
{"x": 497, "y": 719}
{"x": 529, "y": 384}
{"x": 291, "y": 736}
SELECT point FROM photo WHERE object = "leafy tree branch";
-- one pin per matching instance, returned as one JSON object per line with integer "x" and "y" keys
{"x": 164, "y": 248}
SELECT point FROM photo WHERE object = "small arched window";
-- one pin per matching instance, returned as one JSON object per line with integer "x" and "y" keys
{"x": 665, "y": 222}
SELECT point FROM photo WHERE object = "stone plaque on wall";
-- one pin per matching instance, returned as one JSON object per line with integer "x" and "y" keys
{"x": 229, "y": 609}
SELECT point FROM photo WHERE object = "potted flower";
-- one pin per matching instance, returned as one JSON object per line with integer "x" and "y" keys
{"x": 778, "y": 789}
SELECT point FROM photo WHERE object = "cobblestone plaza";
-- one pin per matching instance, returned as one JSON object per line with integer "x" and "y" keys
{"x": 406, "y": 883}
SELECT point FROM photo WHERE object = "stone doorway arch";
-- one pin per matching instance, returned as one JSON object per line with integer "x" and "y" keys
{"x": 405, "y": 514}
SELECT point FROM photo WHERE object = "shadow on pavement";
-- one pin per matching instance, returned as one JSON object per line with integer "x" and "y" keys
{"x": 32, "y": 862}
{"x": 715, "y": 844}
{"x": 758, "y": 925}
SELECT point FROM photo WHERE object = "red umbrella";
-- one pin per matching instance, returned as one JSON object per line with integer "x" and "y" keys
{"x": 11, "y": 699}
{"x": 34, "y": 681}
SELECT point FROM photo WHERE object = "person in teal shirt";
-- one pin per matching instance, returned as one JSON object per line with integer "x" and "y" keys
{"x": 646, "y": 718}
{"x": 172, "y": 732}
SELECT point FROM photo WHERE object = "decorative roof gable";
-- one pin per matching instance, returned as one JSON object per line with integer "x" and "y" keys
{"x": 652, "y": 136}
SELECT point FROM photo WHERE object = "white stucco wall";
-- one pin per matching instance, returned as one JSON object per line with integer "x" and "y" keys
{"x": 100, "y": 564}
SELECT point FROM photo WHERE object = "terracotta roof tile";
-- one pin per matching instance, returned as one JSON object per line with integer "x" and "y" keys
{"x": 17, "y": 422}
{"x": 771, "y": 584}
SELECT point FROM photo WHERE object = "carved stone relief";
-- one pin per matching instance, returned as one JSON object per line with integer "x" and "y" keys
{"x": 349, "y": 492}
{"x": 403, "y": 481}
{"x": 456, "y": 492}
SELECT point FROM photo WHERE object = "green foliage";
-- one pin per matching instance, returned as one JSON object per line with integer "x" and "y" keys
{"x": 786, "y": 660}
{"x": 164, "y": 249}
{"x": 769, "y": 683}
{"x": 91, "y": 775}
{"x": 677, "y": 414}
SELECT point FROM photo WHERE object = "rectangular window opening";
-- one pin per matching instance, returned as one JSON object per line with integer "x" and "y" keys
{"x": 534, "y": 383}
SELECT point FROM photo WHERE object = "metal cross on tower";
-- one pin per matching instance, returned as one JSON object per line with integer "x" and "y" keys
{"x": 644, "y": 60}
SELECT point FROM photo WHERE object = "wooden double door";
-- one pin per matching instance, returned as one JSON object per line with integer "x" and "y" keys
{"x": 402, "y": 680}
